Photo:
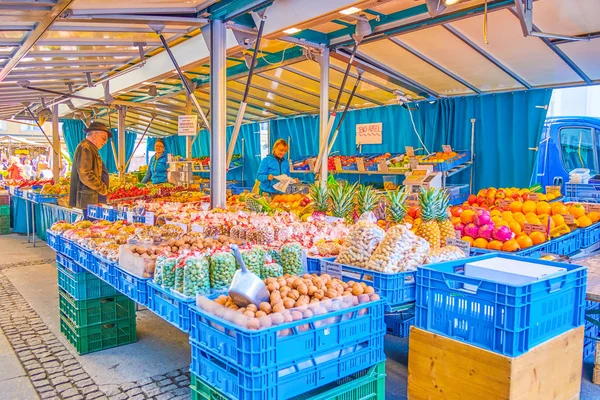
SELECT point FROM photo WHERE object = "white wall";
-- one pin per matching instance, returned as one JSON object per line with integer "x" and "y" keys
{"x": 580, "y": 101}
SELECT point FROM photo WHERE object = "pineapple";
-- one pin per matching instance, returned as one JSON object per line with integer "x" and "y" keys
{"x": 320, "y": 197}
{"x": 341, "y": 199}
{"x": 368, "y": 198}
{"x": 429, "y": 229}
{"x": 443, "y": 220}
{"x": 396, "y": 209}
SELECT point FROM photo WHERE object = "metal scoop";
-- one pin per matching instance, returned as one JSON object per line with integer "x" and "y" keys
{"x": 246, "y": 287}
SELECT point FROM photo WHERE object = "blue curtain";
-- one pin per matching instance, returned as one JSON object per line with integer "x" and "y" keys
{"x": 507, "y": 125}
{"x": 73, "y": 134}
{"x": 250, "y": 133}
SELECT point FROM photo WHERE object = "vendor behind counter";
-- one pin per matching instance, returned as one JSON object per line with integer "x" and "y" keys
{"x": 157, "y": 168}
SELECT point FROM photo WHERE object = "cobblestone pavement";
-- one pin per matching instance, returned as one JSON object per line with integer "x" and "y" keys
{"x": 54, "y": 371}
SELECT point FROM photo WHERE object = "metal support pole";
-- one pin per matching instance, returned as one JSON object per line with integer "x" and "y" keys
{"x": 324, "y": 112}
{"x": 472, "y": 154}
{"x": 189, "y": 140}
{"x": 122, "y": 157}
{"x": 56, "y": 161}
{"x": 218, "y": 106}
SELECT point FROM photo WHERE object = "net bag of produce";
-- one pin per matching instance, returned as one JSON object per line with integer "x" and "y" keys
{"x": 418, "y": 255}
{"x": 292, "y": 259}
{"x": 238, "y": 232}
{"x": 196, "y": 277}
{"x": 179, "y": 273}
{"x": 254, "y": 259}
{"x": 222, "y": 269}
{"x": 271, "y": 270}
{"x": 362, "y": 240}
{"x": 264, "y": 235}
{"x": 168, "y": 272}
{"x": 396, "y": 247}
{"x": 275, "y": 255}
{"x": 160, "y": 262}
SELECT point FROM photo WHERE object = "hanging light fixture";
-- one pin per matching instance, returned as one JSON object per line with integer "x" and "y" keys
{"x": 436, "y": 7}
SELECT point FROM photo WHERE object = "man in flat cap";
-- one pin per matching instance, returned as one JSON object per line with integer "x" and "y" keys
{"x": 89, "y": 176}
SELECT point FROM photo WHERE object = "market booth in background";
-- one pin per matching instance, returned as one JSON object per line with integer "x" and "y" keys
{"x": 383, "y": 95}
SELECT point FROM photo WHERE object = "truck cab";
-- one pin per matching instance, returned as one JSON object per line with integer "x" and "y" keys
{"x": 567, "y": 143}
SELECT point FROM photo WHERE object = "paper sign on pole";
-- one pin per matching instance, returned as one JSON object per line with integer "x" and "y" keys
{"x": 410, "y": 151}
{"x": 187, "y": 125}
{"x": 369, "y": 133}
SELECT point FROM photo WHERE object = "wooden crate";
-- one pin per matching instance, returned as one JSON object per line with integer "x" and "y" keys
{"x": 444, "y": 368}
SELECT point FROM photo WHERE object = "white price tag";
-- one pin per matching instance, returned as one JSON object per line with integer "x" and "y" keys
{"x": 331, "y": 268}
{"x": 197, "y": 228}
{"x": 461, "y": 244}
{"x": 179, "y": 224}
{"x": 149, "y": 218}
{"x": 410, "y": 151}
{"x": 360, "y": 164}
{"x": 130, "y": 217}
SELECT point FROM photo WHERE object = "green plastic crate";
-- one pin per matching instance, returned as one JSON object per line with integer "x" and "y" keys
{"x": 84, "y": 313}
{"x": 4, "y": 221}
{"x": 5, "y": 210}
{"x": 366, "y": 384}
{"x": 83, "y": 285}
{"x": 99, "y": 337}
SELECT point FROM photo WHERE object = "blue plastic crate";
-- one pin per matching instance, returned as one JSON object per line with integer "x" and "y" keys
{"x": 42, "y": 198}
{"x": 240, "y": 190}
{"x": 506, "y": 319}
{"x": 583, "y": 192}
{"x": 533, "y": 251}
{"x": 105, "y": 270}
{"x": 19, "y": 193}
{"x": 286, "y": 343}
{"x": 71, "y": 249}
{"x": 566, "y": 244}
{"x": 313, "y": 264}
{"x": 396, "y": 288}
{"x": 132, "y": 286}
{"x": 83, "y": 285}
{"x": 286, "y": 381}
{"x": 109, "y": 214}
{"x": 589, "y": 236}
{"x": 398, "y": 324}
{"x": 462, "y": 157}
{"x": 54, "y": 241}
{"x": 171, "y": 306}
{"x": 94, "y": 211}
{"x": 69, "y": 264}
{"x": 86, "y": 259}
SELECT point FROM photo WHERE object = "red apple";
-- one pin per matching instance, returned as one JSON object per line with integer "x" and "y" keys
{"x": 472, "y": 199}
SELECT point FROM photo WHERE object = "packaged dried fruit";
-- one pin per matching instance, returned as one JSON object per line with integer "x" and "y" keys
{"x": 362, "y": 240}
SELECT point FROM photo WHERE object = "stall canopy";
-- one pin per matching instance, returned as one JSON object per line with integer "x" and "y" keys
{"x": 102, "y": 49}
{"x": 8, "y": 139}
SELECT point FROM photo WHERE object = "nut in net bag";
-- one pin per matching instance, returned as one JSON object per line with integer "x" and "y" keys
{"x": 292, "y": 259}
{"x": 160, "y": 261}
{"x": 393, "y": 251}
{"x": 361, "y": 242}
{"x": 168, "y": 272}
{"x": 254, "y": 259}
{"x": 222, "y": 269}
{"x": 179, "y": 272}
{"x": 418, "y": 255}
{"x": 196, "y": 278}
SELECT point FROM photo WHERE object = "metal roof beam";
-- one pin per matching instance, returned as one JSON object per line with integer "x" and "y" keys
{"x": 292, "y": 86}
{"x": 34, "y": 36}
{"x": 434, "y": 64}
{"x": 558, "y": 52}
{"x": 486, "y": 55}
{"x": 61, "y": 63}
{"x": 83, "y": 53}
{"x": 373, "y": 66}
{"x": 265, "y": 101}
{"x": 93, "y": 42}
{"x": 283, "y": 96}
{"x": 112, "y": 28}
{"x": 590, "y": 36}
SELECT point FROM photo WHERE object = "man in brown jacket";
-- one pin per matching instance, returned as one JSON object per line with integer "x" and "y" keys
{"x": 87, "y": 181}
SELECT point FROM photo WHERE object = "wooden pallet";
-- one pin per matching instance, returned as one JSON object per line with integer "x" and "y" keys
{"x": 444, "y": 368}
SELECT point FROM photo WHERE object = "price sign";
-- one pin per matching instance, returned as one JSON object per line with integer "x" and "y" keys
{"x": 383, "y": 166}
{"x": 414, "y": 162}
{"x": 197, "y": 228}
{"x": 446, "y": 148}
{"x": 533, "y": 197}
{"x": 187, "y": 125}
{"x": 337, "y": 163}
{"x": 410, "y": 151}
{"x": 369, "y": 133}
{"x": 331, "y": 268}
{"x": 591, "y": 207}
{"x": 553, "y": 189}
{"x": 569, "y": 219}
{"x": 130, "y": 217}
{"x": 360, "y": 164}
{"x": 456, "y": 235}
{"x": 535, "y": 228}
{"x": 149, "y": 218}
{"x": 504, "y": 204}
{"x": 461, "y": 244}
{"x": 179, "y": 224}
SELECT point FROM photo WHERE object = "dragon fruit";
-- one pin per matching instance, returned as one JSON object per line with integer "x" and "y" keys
{"x": 471, "y": 230}
{"x": 461, "y": 228}
{"x": 482, "y": 217}
{"x": 485, "y": 231}
{"x": 502, "y": 233}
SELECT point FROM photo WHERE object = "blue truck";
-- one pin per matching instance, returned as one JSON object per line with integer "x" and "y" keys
{"x": 567, "y": 143}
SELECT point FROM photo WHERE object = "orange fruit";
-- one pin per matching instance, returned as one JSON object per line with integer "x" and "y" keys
{"x": 533, "y": 220}
{"x": 577, "y": 210}
{"x": 503, "y": 223}
{"x": 480, "y": 243}
{"x": 594, "y": 216}
{"x": 495, "y": 245}
{"x": 544, "y": 222}
{"x": 516, "y": 206}
{"x": 558, "y": 219}
{"x": 510, "y": 245}
{"x": 543, "y": 208}
{"x": 468, "y": 239}
{"x": 524, "y": 241}
{"x": 495, "y": 213}
{"x": 584, "y": 221}
{"x": 496, "y": 219}
{"x": 518, "y": 216}
{"x": 507, "y": 216}
{"x": 537, "y": 237}
{"x": 529, "y": 207}
{"x": 559, "y": 208}
{"x": 467, "y": 216}
{"x": 455, "y": 220}
{"x": 515, "y": 227}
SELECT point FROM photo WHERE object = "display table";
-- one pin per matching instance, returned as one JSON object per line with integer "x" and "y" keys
{"x": 20, "y": 212}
